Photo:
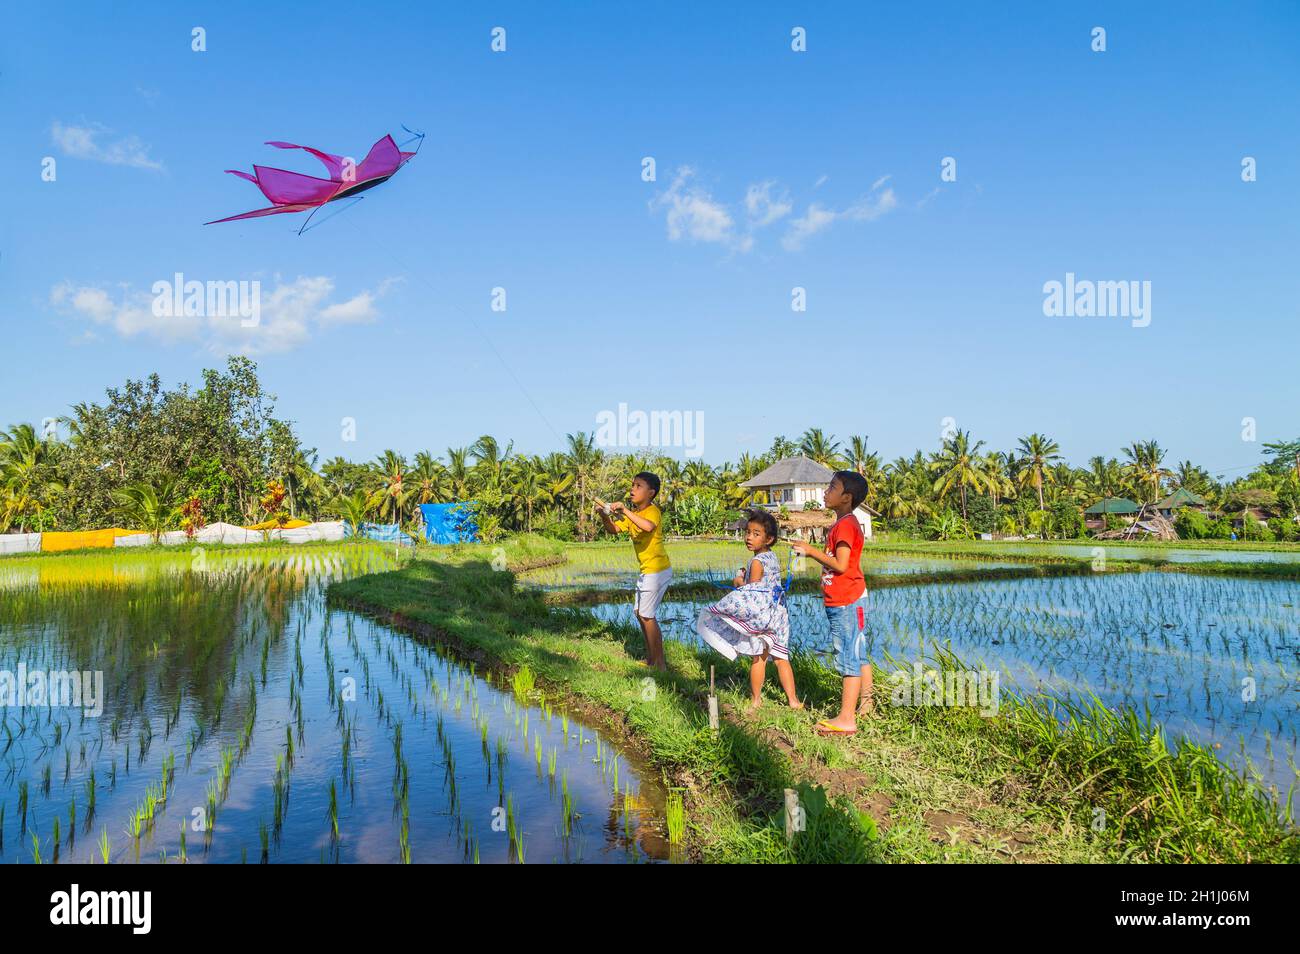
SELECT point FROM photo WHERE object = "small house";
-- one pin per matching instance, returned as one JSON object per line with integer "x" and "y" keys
{"x": 795, "y": 482}
{"x": 1094, "y": 518}
{"x": 1180, "y": 498}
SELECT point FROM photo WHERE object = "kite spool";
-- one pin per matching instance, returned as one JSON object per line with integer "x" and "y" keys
{"x": 713, "y": 704}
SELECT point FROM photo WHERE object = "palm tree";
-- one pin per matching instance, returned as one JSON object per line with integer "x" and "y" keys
{"x": 488, "y": 453}
{"x": 698, "y": 474}
{"x": 1104, "y": 478}
{"x": 1144, "y": 466}
{"x": 994, "y": 466}
{"x": 958, "y": 467}
{"x": 148, "y": 506}
{"x": 26, "y": 476}
{"x": 583, "y": 459}
{"x": 458, "y": 472}
{"x": 393, "y": 494}
{"x": 1036, "y": 452}
{"x": 428, "y": 478}
{"x": 353, "y": 510}
{"x": 819, "y": 447}
{"x": 856, "y": 454}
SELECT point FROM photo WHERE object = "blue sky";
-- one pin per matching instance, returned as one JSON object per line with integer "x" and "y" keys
{"x": 924, "y": 297}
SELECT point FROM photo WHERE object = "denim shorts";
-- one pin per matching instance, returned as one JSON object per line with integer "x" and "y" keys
{"x": 849, "y": 636}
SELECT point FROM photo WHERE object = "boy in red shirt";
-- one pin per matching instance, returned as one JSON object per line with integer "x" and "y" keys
{"x": 844, "y": 591}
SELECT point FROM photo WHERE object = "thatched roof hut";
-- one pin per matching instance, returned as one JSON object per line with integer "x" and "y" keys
{"x": 1148, "y": 526}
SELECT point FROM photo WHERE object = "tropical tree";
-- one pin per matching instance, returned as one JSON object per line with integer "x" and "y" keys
{"x": 151, "y": 507}
{"x": 1036, "y": 452}
{"x": 959, "y": 468}
{"x": 822, "y": 448}
{"x": 1145, "y": 468}
{"x": 583, "y": 459}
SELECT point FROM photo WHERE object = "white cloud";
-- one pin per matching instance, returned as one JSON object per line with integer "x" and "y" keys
{"x": 763, "y": 209}
{"x": 692, "y": 212}
{"x": 289, "y": 314}
{"x": 90, "y": 141}
{"x": 818, "y": 217}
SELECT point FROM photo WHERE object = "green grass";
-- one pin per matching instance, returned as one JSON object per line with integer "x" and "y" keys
{"x": 1038, "y": 782}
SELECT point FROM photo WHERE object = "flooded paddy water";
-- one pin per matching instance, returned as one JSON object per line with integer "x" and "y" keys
{"x": 245, "y": 720}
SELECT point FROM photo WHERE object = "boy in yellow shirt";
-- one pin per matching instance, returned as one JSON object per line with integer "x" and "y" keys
{"x": 644, "y": 522}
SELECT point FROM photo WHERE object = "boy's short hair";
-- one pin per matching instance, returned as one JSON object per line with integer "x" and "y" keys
{"x": 854, "y": 484}
{"x": 651, "y": 480}
{"x": 765, "y": 520}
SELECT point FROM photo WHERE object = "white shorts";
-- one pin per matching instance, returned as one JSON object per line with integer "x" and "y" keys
{"x": 650, "y": 589}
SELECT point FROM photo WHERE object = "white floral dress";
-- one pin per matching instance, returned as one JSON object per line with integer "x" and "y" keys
{"x": 752, "y": 619}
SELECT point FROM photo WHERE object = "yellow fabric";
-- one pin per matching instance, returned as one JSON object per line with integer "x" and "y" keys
{"x": 272, "y": 525}
{"x": 54, "y": 542}
{"x": 119, "y": 532}
{"x": 648, "y": 544}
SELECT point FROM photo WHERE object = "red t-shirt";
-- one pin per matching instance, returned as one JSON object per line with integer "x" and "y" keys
{"x": 841, "y": 589}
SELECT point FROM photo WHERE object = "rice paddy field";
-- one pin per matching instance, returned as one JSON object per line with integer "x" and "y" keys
{"x": 1181, "y": 552}
{"x": 244, "y": 720}
{"x": 1212, "y": 658}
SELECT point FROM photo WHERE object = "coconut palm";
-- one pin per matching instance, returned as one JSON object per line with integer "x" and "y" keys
{"x": 390, "y": 499}
{"x": 824, "y": 449}
{"x": 148, "y": 506}
{"x": 583, "y": 460}
{"x": 1145, "y": 468}
{"x": 1036, "y": 452}
{"x": 958, "y": 467}
{"x": 353, "y": 510}
{"x": 994, "y": 465}
{"x": 27, "y": 477}
{"x": 1104, "y": 478}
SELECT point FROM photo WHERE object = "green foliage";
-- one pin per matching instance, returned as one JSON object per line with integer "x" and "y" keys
{"x": 981, "y": 515}
{"x": 698, "y": 513}
{"x": 1067, "y": 521}
{"x": 1192, "y": 524}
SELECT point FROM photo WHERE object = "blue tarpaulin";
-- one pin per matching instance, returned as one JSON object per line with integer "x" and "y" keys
{"x": 450, "y": 522}
{"x": 384, "y": 532}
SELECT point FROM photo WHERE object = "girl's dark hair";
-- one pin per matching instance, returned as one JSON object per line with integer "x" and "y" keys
{"x": 765, "y": 520}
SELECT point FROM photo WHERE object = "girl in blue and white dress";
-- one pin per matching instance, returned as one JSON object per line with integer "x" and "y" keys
{"x": 752, "y": 619}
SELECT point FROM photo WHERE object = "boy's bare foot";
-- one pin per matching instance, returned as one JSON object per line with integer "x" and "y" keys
{"x": 795, "y": 704}
{"x": 755, "y": 703}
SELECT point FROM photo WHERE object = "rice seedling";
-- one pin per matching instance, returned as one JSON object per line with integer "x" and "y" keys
{"x": 334, "y": 812}
{"x": 675, "y": 816}
{"x": 523, "y": 682}
{"x": 103, "y": 846}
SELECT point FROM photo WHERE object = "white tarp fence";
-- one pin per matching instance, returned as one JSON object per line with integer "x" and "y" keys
{"x": 20, "y": 542}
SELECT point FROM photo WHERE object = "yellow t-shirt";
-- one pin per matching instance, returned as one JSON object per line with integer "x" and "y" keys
{"x": 649, "y": 544}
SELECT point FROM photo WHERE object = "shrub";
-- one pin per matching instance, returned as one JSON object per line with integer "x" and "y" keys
{"x": 1192, "y": 524}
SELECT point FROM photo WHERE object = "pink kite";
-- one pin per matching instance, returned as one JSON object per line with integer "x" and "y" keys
{"x": 295, "y": 192}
